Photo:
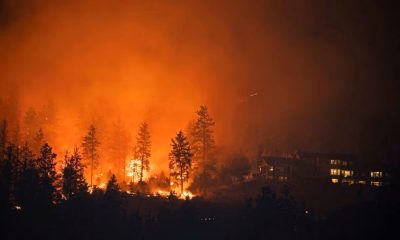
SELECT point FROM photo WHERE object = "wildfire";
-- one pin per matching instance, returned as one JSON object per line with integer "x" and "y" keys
{"x": 163, "y": 193}
{"x": 156, "y": 193}
{"x": 187, "y": 194}
{"x": 102, "y": 186}
{"x": 132, "y": 170}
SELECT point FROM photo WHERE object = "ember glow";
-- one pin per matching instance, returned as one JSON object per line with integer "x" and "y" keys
{"x": 132, "y": 170}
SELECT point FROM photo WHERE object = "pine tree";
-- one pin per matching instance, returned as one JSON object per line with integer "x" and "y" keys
{"x": 3, "y": 139}
{"x": 202, "y": 139}
{"x": 6, "y": 182}
{"x": 28, "y": 186}
{"x": 90, "y": 150}
{"x": 143, "y": 149}
{"x": 112, "y": 200}
{"x": 73, "y": 179}
{"x": 38, "y": 140}
{"x": 112, "y": 185}
{"x": 134, "y": 167}
{"x": 119, "y": 148}
{"x": 180, "y": 159}
{"x": 16, "y": 135}
{"x": 13, "y": 157}
{"x": 48, "y": 176}
{"x": 27, "y": 157}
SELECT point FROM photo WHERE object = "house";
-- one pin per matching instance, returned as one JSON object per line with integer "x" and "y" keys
{"x": 333, "y": 168}
{"x": 324, "y": 168}
{"x": 275, "y": 168}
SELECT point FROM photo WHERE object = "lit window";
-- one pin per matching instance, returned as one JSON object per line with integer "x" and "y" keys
{"x": 344, "y": 163}
{"x": 362, "y": 182}
{"x": 335, "y": 180}
{"x": 376, "y": 183}
{"x": 348, "y": 181}
{"x": 335, "y": 162}
{"x": 335, "y": 172}
{"x": 376, "y": 174}
{"x": 282, "y": 178}
{"x": 347, "y": 173}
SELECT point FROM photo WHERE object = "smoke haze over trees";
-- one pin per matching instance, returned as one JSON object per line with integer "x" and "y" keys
{"x": 286, "y": 76}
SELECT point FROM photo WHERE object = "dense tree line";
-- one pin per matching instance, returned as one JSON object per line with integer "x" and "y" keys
{"x": 39, "y": 202}
{"x": 202, "y": 165}
{"x": 36, "y": 202}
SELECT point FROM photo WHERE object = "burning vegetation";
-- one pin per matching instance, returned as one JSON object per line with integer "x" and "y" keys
{"x": 92, "y": 165}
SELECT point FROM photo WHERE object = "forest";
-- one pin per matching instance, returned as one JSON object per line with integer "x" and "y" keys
{"x": 45, "y": 196}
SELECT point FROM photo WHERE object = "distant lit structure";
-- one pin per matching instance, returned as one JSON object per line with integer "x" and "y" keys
{"x": 337, "y": 169}
{"x": 276, "y": 168}
{"x": 377, "y": 178}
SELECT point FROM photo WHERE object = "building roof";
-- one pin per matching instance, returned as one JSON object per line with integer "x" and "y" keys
{"x": 338, "y": 156}
{"x": 279, "y": 160}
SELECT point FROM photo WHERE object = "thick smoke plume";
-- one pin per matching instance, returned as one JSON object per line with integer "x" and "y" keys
{"x": 273, "y": 74}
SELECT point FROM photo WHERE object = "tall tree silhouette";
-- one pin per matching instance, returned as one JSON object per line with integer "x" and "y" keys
{"x": 90, "y": 150}
{"x": 12, "y": 161}
{"x": 112, "y": 204}
{"x": 27, "y": 157}
{"x": 112, "y": 185}
{"x": 73, "y": 179}
{"x": 48, "y": 176}
{"x": 180, "y": 159}
{"x": 143, "y": 149}
{"x": 38, "y": 140}
{"x": 6, "y": 180}
{"x": 15, "y": 135}
{"x": 119, "y": 148}
{"x": 112, "y": 194}
{"x": 28, "y": 186}
{"x": 202, "y": 138}
{"x": 3, "y": 139}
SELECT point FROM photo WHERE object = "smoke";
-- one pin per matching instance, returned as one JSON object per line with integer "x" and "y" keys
{"x": 284, "y": 75}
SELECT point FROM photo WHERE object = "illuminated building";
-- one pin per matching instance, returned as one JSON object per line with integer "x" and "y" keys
{"x": 276, "y": 168}
{"x": 337, "y": 169}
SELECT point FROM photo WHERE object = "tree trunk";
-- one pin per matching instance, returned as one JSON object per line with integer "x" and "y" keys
{"x": 141, "y": 170}
{"x": 181, "y": 181}
{"x": 91, "y": 174}
{"x": 204, "y": 149}
{"x": 92, "y": 167}
{"x": 124, "y": 167}
{"x": 133, "y": 173}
